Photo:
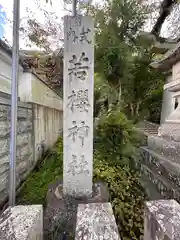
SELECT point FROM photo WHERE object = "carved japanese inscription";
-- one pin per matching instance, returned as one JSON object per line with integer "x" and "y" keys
{"x": 80, "y": 131}
{"x": 79, "y": 100}
{"x": 78, "y": 105}
{"x": 78, "y": 66}
{"x": 82, "y": 37}
{"x": 78, "y": 166}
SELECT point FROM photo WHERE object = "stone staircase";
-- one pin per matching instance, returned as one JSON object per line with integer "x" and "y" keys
{"x": 159, "y": 162}
{"x": 164, "y": 175}
{"x": 148, "y": 128}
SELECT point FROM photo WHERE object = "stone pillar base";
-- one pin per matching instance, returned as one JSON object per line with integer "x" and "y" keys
{"x": 96, "y": 221}
{"x": 61, "y": 210}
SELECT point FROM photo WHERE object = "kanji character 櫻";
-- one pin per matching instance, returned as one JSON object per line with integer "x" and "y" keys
{"x": 82, "y": 100}
{"x": 72, "y": 100}
{"x": 73, "y": 131}
{"x": 79, "y": 100}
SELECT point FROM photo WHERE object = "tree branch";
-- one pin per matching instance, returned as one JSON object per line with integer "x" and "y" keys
{"x": 165, "y": 10}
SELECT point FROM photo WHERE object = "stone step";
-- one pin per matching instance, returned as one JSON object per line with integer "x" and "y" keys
{"x": 170, "y": 131}
{"x": 154, "y": 132}
{"x": 159, "y": 183}
{"x": 161, "y": 165}
{"x": 166, "y": 148}
{"x": 150, "y": 189}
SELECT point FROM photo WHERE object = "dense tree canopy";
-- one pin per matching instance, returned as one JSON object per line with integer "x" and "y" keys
{"x": 122, "y": 56}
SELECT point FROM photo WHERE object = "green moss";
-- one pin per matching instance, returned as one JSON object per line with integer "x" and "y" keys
{"x": 49, "y": 170}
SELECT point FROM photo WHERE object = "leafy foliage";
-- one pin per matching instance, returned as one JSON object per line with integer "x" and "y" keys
{"x": 127, "y": 196}
{"x": 114, "y": 146}
{"x": 122, "y": 56}
{"x": 154, "y": 103}
{"x": 141, "y": 82}
{"x": 115, "y": 135}
{"x": 47, "y": 34}
{"x": 117, "y": 24}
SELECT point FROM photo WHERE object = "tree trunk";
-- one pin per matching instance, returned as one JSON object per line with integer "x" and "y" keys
{"x": 119, "y": 93}
{"x": 137, "y": 109}
{"x": 132, "y": 109}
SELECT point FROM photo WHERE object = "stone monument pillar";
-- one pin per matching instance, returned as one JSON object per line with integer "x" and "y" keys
{"x": 78, "y": 105}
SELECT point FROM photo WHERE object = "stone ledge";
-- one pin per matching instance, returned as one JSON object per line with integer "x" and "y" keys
{"x": 166, "y": 148}
{"x": 164, "y": 187}
{"x": 96, "y": 221}
{"x": 22, "y": 223}
{"x": 161, "y": 165}
{"x": 162, "y": 220}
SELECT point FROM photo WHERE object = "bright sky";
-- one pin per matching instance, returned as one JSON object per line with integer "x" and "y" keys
{"x": 57, "y": 7}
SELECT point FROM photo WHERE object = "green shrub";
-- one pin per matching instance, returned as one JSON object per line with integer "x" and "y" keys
{"x": 153, "y": 104}
{"x": 114, "y": 134}
{"x": 115, "y": 142}
{"x": 127, "y": 196}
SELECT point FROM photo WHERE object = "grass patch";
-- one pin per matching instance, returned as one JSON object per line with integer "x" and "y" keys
{"x": 49, "y": 170}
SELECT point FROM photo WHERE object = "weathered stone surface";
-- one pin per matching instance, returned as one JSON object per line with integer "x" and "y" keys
{"x": 157, "y": 172}
{"x": 4, "y": 146}
{"x": 161, "y": 165}
{"x": 24, "y": 146}
{"x": 23, "y": 139}
{"x": 78, "y": 105}
{"x": 162, "y": 220}
{"x": 22, "y": 127}
{"x": 35, "y": 125}
{"x": 61, "y": 210}
{"x": 165, "y": 188}
{"x": 167, "y": 148}
{"x": 96, "y": 221}
{"x": 170, "y": 131}
{"x": 22, "y": 223}
{"x": 23, "y": 113}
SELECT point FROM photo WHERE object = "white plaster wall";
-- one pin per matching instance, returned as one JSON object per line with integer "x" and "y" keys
{"x": 32, "y": 89}
{"x": 176, "y": 72}
{"x": 6, "y": 72}
{"x": 25, "y": 86}
{"x": 48, "y": 124}
{"x": 168, "y": 101}
{"x": 168, "y": 105}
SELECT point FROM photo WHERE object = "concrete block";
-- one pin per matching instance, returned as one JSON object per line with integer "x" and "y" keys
{"x": 162, "y": 220}
{"x": 96, "y": 221}
{"x": 167, "y": 148}
{"x": 22, "y": 223}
